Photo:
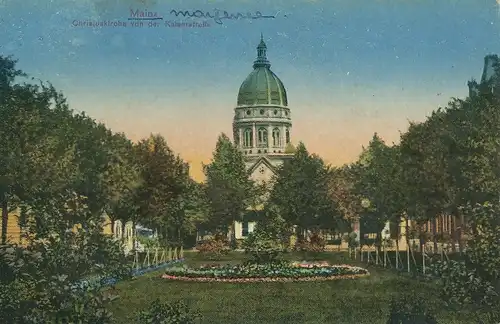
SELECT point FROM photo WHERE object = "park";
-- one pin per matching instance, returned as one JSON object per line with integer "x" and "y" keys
{"x": 407, "y": 233}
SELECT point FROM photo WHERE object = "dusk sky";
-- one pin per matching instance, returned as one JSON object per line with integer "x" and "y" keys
{"x": 350, "y": 68}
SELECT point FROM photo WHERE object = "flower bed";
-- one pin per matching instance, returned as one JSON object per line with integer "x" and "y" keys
{"x": 266, "y": 272}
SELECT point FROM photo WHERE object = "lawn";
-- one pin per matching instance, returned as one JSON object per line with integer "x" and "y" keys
{"x": 364, "y": 300}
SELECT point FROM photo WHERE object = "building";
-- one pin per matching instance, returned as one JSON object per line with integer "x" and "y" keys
{"x": 261, "y": 127}
{"x": 15, "y": 232}
{"x": 489, "y": 81}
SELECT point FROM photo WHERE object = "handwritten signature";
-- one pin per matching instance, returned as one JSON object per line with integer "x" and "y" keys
{"x": 219, "y": 15}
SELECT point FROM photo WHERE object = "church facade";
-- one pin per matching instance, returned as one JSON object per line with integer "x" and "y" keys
{"x": 261, "y": 126}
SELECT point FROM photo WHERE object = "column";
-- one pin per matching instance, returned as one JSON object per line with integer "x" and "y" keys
{"x": 282, "y": 135}
{"x": 254, "y": 134}
{"x": 269, "y": 137}
{"x": 242, "y": 140}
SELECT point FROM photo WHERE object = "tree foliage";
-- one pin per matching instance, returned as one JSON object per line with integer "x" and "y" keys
{"x": 63, "y": 172}
{"x": 228, "y": 187}
{"x": 269, "y": 239}
{"x": 301, "y": 193}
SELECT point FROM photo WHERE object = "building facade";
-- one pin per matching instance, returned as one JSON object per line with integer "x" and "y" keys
{"x": 262, "y": 126}
{"x": 489, "y": 80}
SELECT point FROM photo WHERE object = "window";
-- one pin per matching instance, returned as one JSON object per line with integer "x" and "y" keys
{"x": 248, "y": 141}
{"x": 244, "y": 229}
{"x": 276, "y": 137}
{"x": 287, "y": 136}
{"x": 262, "y": 111}
{"x": 275, "y": 111}
{"x": 248, "y": 112}
{"x": 262, "y": 139}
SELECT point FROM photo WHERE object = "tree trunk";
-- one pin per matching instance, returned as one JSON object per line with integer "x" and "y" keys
{"x": 298, "y": 233}
{"x": 453, "y": 231}
{"x": 123, "y": 238}
{"x": 5, "y": 218}
{"x": 179, "y": 237}
{"x": 460, "y": 233}
{"x": 434, "y": 234}
{"x": 134, "y": 236}
{"x": 233, "y": 234}
{"x": 164, "y": 236}
{"x": 408, "y": 232}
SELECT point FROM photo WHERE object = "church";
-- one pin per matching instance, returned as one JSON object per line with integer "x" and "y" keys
{"x": 261, "y": 126}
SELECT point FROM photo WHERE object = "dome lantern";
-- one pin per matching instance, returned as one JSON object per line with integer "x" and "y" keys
{"x": 261, "y": 60}
{"x": 262, "y": 86}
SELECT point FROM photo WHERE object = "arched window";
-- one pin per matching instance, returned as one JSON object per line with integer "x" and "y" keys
{"x": 262, "y": 140}
{"x": 248, "y": 138}
{"x": 287, "y": 134}
{"x": 276, "y": 137}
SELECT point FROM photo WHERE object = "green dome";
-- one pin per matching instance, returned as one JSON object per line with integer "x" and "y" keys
{"x": 262, "y": 86}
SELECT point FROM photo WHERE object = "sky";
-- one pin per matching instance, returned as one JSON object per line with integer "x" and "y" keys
{"x": 351, "y": 68}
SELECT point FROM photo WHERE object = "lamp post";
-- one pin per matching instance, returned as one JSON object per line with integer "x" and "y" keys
{"x": 365, "y": 203}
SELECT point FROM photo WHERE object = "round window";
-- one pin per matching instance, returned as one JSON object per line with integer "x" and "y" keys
{"x": 262, "y": 111}
{"x": 248, "y": 112}
{"x": 275, "y": 112}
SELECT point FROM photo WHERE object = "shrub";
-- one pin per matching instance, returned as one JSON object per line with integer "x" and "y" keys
{"x": 475, "y": 282}
{"x": 213, "y": 249}
{"x": 262, "y": 247}
{"x": 410, "y": 310}
{"x": 462, "y": 286}
{"x": 269, "y": 239}
{"x": 315, "y": 244}
{"x": 39, "y": 281}
{"x": 351, "y": 239}
{"x": 167, "y": 313}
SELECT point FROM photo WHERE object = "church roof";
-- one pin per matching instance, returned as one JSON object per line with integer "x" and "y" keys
{"x": 262, "y": 160}
{"x": 262, "y": 86}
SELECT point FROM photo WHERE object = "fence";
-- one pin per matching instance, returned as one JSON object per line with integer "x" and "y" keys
{"x": 411, "y": 261}
{"x": 141, "y": 265}
{"x": 159, "y": 256}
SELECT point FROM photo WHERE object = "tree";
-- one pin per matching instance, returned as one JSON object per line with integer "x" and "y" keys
{"x": 47, "y": 171}
{"x": 34, "y": 158}
{"x": 228, "y": 187}
{"x": 122, "y": 180}
{"x": 301, "y": 193}
{"x": 160, "y": 198}
{"x": 342, "y": 189}
{"x": 374, "y": 185}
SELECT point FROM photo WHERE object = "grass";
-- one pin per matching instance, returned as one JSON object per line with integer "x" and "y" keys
{"x": 363, "y": 300}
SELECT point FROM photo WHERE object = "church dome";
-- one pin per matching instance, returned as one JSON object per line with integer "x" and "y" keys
{"x": 262, "y": 86}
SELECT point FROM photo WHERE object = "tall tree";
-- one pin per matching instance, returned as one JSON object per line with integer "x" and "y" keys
{"x": 229, "y": 189}
{"x": 34, "y": 159}
{"x": 342, "y": 189}
{"x": 122, "y": 180}
{"x": 163, "y": 181}
{"x": 379, "y": 182}
{"x": 301, "y": 193}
